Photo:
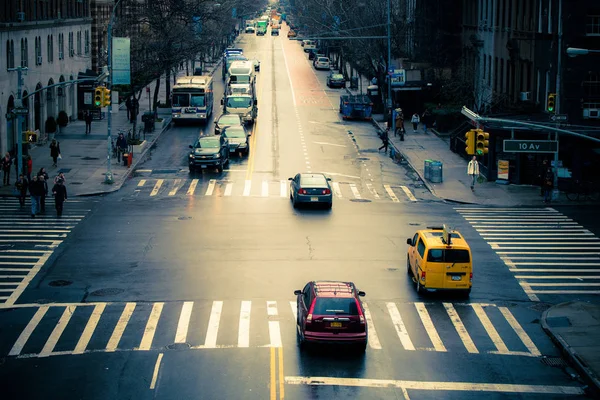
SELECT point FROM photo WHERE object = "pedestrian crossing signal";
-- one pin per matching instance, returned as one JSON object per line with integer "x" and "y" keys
{"x": 551, "y": 103}
{"x": 106, "y": 101}
{"x": 98, "y": 94}
{"x": 482, "y": 142}
{"x": 470, "y": 142}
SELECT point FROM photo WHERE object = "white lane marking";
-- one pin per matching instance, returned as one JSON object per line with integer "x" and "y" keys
{"x": 399, "y": 326}
{"x": 391, "y": 193}
{"x": 283, "y": 190}
{"x": 408, "y": 193}
{"x": 294, "y": 308}
{"x": 373, "y": 338}
{"x": 489, "y": 328}
{"x": 184, "y": 322}
{"x": 559, "y": 233}
{"x": 228, "y": 189}
{"x": 287, "y": 68}
{"x": 57, "y": 331}
{"x": 24, "y": 336}
{"x": 265, "y": 189}
{"x": 115, "y": 337}
{"x": 176, "y": 186}
{"x": 156, "y": 188}
{"x": 192, "y": 187}
{"x": 566, "y": 292}
{"x": 244, "y": 326}
{"x": 345, "y": 176}
{"x": 557, "y": 284}
{"x": 150, "y": 329}
{"x": 355, "y": 191}
{"x": 143, "y": 170}
{"x": 141, "y": 183}
{"x": 336, "y": 190}
{"x": 89, "y": 329}
{"x": 372, "y": 190}
{"x": 274, "y": 331}
{"x": 213, "y": 325}
{"x": 438, "y": 345}
{"x": 25, "y": 282}
{"x": 247, "y": 186}
{"x": 590, "y": 270}
{"x": 565, "y": 264}
{"x": 512, "y": 321}
{"x": 155, "y": 373}
{"x": 433, "y": 386}
{"x": 541, "y": 248}
{"x": 331, "y": 144}
{"x": 211, "y": 187}
{"x": 579, "y": 277}
{"x": 460, "y": 328}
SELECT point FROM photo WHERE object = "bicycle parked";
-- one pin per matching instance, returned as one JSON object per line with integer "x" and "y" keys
{"x": 583, "y": 190}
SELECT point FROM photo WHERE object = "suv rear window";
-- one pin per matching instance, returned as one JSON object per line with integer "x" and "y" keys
{"x": 335, "y": 306}
{"x": 451, "y": 256}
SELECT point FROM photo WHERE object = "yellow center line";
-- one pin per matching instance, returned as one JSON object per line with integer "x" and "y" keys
{"x": 277, "y": 379}
{"x": 272, "y": 385}
{"x": 281, "y": 377}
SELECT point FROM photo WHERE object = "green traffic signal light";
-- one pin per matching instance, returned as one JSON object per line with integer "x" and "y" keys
{"x": 98, "y": 96}
{"x": 551, "y": 102}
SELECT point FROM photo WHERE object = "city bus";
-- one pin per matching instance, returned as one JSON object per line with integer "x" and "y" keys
{"x": 192, "y": 99}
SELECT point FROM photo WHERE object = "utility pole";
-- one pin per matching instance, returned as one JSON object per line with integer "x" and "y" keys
{"x": 558, "y": 107}
{"x": 19, "y": 110}
{"x": 389, "y": 57}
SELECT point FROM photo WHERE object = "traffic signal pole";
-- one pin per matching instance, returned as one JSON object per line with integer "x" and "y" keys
{"x": 19, "y": 104}
{"x": 558, "y": 108}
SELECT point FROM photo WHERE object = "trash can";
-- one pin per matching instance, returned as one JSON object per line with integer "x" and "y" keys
{"x": 125, "y": 159}
{"x": 428, "y": 168}
{"x": 436, "y": 173}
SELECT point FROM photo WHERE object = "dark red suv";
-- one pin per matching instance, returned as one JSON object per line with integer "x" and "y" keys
{"x": 331, "y": 312}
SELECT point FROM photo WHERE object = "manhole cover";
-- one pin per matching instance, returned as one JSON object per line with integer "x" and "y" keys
{"x": 179, "y": 346}
{"x": 554, "y": 362}
{"x": 60, "y": 282}
{"x": 89, "y": 158}
{"x": 360, "y": 200}
{"x": 106, "y": 292}
{"x": 184, "y": 218}
{"x": 540, "y": 307}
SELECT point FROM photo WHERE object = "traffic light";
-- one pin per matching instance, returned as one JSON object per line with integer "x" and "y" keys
{"x": 470, "y": 141}
{"x": 98, "y": 93}
{"x": 551, "y": 102}
{"x": 482, "y": 142}
{"x": 106, "y": 101}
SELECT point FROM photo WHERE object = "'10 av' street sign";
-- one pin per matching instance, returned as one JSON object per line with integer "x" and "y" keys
{"x": 530, "y": 146}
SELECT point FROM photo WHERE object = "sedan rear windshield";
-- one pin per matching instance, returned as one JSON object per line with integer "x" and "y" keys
{"x": 449, "y": 256}
{"x": 337, "y": 76}
{"x": 313, "y": 180}
{"x": 229, "y": 119}
{"x": 235, "y": 133}
{"x": 335, "y": 306}
{"x": 323, "y": 59}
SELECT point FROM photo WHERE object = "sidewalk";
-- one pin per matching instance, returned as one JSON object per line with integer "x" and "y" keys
{"x": 455, "y": 186}
{"x": 575, "y": 328}
{"x": 84, "y": 157}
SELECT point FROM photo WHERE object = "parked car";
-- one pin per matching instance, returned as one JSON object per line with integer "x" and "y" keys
{"x": 238, "y": 139}
{"x": 331, "y": 312}
{"x": 311, "y": 188}
{"x": 256, "y": 63}
{"x": 250, "y": 29}
{"x": 209, "y": 151}
{"x": 227, "y": 120}
{"x": 274, "y": 31}
{"x": 309, "y": 45}
{"x": 322, "y": 63}
{"x": 315, "y": 56}
{"x": 335, "y": 80}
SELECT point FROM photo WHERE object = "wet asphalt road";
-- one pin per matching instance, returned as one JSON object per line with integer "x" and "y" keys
{"x": 180, "y": 286}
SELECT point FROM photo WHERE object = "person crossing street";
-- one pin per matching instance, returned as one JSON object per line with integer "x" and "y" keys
{"x": 59, "y": 191}
{"x": 385, "y": 140}
{"x": 473, "y": 171}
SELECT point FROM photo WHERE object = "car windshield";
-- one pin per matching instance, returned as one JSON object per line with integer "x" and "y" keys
{"x": 335, "y": 306}
{"x": 239, "y": 102}
{"x": 209, "y": 143}
{"x": 449, "y": 256}
{"x": 313, "y": 180}
{"x": 181, "y": 100}
{"x": 235, "y": 133}
{"x": 323, "y": 59}
{"x": 337, "y": 76}
{"x": 229, "y": 119}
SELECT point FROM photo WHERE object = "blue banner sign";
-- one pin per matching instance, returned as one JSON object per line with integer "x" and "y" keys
{"x": 121, "y": 61}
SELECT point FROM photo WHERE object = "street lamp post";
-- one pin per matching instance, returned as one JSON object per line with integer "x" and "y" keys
{"x": 558, "y": 94}
{"x": 574, "y": 51}
{"x": 389, "y": 59}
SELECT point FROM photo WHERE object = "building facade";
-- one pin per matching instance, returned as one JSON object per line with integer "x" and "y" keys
{"x": 52, "y": 39}
{"x": 100, "y": 13}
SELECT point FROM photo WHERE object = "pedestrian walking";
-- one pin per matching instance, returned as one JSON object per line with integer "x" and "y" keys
{"x": 541, "y": 175}
{"x": 29, "y": 165}
{"x": 135, "y": 108}
{"x": 426, "y": 120}
{"x": 55, "y": 152}
{"x": 42, "y": 172}
{"x": 385, "y": 140}
{"x": 389, "y": 118}
{"x": 21, "y": 186}
{"x": 88, "y": 122}
{"x": 59, "y": 191}
{"x": 128, "y": 106}
{"x": 415, "y": 121}
{"x": 6, "y": 163}
{"x": 60, "y": 175}
{"x": 43, "y": 193}
{"x": 473, "y": 171}
{"x": 121, "y": 146}
{"x": 548, "y": 184}
{"x": 35, "y": 190}
{"x": 399, "y": 124}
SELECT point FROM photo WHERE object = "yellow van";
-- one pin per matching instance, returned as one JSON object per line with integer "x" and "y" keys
{"x": 440, "y": 259}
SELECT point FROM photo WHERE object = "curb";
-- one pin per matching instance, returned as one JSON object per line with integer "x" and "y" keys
{"x": 587, "y": 375}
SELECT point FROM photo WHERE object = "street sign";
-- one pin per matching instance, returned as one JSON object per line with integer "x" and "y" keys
{"x": 530, "y": 146}
{"x": 558, "y": 117}
{"x": 20, "y": 111}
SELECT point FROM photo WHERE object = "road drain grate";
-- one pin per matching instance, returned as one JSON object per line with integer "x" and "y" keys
{"x": 556, "y": 362}
{"x": 60, "y": 282}
{"x": 107, "y": 292}
{"x": 179, "y": 346}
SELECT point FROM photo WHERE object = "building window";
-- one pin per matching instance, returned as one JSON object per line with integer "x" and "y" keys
{"x": 538, "y": 85}
{"x": 495, "y": 74}
{"x": 61, "y": 46}
{"x": 549, "y": 17}
{"x": 38, "y": 50}
{"x": 71, "y": 49}
{"x": 591, "y": 85}
{"x": 501, "y": 74}
{"x": 489, "y": 75}
{"x": 87, "y": 43}
{"x": 24, "y": 55}
{"x": 592, "y": 26}
{"x": 79, "y": 43}
{"x": 50, "y": 48}
{"x": 484, "y": 66}
{"x": 10, "y": 54}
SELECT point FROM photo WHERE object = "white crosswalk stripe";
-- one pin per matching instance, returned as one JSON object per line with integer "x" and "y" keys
{"x": 548, "y": 252}
{"x": 262, "y": 324}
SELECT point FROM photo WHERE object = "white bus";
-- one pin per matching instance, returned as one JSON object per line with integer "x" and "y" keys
{"x": 192, "y": 99}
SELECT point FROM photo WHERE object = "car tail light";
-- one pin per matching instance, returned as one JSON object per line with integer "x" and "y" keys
{"x": 360, "y": 313}
{"x": 326, "y": 191}
{"x": 471, "y": 277}
{"x": 310, "y": 312}
{"x": 301, "y": 191}
{"x": 422, "y": 275}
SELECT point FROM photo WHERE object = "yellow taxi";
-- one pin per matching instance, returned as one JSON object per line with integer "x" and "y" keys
{"x": 440, "y": 259}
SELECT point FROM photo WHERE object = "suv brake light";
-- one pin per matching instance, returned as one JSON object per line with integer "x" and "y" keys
{"x": 301, "y": 191}
{"x": 360, "y": 312}
{"x": 310, "y": 312}
{"x": 422, "y": 275}
{"x": 471, "y": 277}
